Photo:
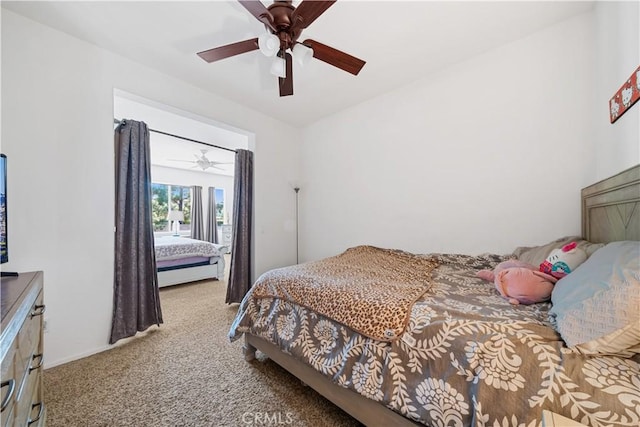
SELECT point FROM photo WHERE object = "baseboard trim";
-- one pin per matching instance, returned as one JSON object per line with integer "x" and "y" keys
{"x": 48, "y": 365}
{"x": 97, "y": 350}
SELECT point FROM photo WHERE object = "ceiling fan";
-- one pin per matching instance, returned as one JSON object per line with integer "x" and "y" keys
{"x": 284, "y": 24}
{"x": 203, "y": 162}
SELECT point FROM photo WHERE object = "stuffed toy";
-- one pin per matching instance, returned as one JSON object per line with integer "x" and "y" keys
{"x": 520, "y": 282}
{"x": 563, "y": 261}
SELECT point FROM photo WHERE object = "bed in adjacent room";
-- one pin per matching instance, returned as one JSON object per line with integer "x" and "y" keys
{"x": 182, "y": 260}
{"x": 395, "y": 338}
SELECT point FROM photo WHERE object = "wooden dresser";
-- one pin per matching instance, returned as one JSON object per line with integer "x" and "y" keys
{"x": 21, "y": 351}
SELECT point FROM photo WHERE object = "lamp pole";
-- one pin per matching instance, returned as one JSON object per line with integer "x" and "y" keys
{"x": 297, "y": 189}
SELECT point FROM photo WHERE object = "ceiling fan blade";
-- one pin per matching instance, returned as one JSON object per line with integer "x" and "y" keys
{"x": 286, "y": 84}
{"x": 222, "y": 52}
{"x": 257, "y": 9}
{"x": 308, "y": 11}
{"x": 334, "y": 57}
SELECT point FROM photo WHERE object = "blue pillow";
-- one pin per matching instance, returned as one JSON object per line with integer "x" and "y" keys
{"x": 596, "y": 308}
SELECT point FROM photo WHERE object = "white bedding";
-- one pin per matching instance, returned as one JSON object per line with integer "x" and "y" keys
{"x": 171, "y": 247}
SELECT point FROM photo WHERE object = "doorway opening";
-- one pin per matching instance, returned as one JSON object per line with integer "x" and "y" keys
{"x": 187, "y": 151}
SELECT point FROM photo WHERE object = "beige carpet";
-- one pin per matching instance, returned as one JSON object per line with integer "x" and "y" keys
{"x": 185, "y": 373}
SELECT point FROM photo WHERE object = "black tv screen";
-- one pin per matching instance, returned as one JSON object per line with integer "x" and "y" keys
{"x": 4, "y": 247}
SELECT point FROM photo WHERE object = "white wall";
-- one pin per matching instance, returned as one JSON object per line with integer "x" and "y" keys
{"x": 482, "y": 156}
{"x": 618, "y": 55}
{"x": 57, "y": 131}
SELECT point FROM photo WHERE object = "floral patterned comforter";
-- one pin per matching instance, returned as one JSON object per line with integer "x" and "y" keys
{"x": 466, "y": 358}
{"x": 170, "y": 247}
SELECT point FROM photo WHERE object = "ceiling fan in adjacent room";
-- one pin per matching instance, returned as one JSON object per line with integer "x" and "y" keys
{"x": 203, "y": 162}
{"x": 284, "y": 24}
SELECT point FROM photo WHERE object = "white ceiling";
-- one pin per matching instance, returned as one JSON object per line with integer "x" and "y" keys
{"x": 166, "y": 151}
{"x": 401, "y": 42}
{"x": 179, "y": 153}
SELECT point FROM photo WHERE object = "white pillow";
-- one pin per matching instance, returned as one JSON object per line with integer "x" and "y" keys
{"x": 596, "y": 308}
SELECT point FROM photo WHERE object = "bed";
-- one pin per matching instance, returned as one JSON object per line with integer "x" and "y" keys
{"x": 458, "y": 353}
{"x": 183, "y": 260}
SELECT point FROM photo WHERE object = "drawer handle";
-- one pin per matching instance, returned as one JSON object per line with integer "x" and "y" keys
{"x": 40, "y": 411}
{"x": 12, "y": 386}
{"x": 38, "y": 310}
{"x": 33, "y": 358}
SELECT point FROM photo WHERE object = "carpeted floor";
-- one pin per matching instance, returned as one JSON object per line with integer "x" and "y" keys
{"x": 185, "y": 373}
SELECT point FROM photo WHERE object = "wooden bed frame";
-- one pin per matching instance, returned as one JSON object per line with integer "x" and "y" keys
{"x": 611, "y": 208}
{"x": 610, "y": 212}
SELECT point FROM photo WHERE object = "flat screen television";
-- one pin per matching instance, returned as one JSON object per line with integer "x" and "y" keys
{"x": 4, "y": 244}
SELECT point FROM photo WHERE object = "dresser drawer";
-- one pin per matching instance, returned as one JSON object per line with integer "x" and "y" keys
{"x": 8, "y": 416}
{"x": 37, "y": 410}
{"x": 29, "y": 337}
{"x": 27, "y": 398}
{"x": 10, "y": 385}
{"x": 21, "y": 350}
{"x": 8, "y": 371}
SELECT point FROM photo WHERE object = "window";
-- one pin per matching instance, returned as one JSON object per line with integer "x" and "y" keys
{"x": 219, "y": 206}
{"x": 167, "y": 197}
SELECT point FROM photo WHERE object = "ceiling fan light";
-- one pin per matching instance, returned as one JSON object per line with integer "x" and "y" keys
{"x": 279, "y": 67}
{"x": 269, "y": 44}
{"x": 302, "y": 54}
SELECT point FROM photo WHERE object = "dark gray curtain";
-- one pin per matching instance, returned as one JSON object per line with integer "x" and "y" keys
{"x": 197, "y": 222}
{"x": 136, "y": 300}
{"x": 212, "y": 225}
{"x": 240, "y": 270}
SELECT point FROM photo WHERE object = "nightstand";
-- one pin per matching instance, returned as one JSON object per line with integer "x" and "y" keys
{"x": 226, "y": 237}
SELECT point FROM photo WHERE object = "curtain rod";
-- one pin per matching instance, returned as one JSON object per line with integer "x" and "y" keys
{"x": 116, "y": 121}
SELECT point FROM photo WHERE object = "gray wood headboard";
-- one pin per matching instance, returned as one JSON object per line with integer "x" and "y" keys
{"x": 611, "y": 208}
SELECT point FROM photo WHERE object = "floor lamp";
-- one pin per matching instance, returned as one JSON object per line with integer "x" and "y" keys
{"x": 297, "y": 189}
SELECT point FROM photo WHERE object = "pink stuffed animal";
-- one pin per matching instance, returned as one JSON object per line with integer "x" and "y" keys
{"x": 520, "y": 282}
